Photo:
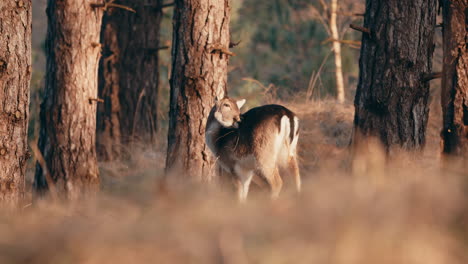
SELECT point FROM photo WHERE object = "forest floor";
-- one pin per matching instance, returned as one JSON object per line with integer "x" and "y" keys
{"x": 409, "y": 210}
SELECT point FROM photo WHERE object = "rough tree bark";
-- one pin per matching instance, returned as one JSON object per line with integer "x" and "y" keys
{"x": 199, "y": 73}
{"x": 15, "y": 75}
{"x": 396, "y": 56}
{"x": 129, "y": 76}
{"x": 340, "y": 92}
{"x": 68, "y": 112}
{"x": 455, "y": 78}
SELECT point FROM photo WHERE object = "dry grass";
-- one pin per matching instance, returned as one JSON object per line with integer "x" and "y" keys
{"x": 412, "y": 213}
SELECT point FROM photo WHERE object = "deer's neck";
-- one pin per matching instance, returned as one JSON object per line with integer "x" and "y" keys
{"x": 217, "y": 136}
{"x": 212, "y": 132}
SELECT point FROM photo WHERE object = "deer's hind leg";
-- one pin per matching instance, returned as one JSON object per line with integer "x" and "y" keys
{"x": 293, "y": 169}
{"x": 273, "y": 178}
{"x": 276, "y": 184}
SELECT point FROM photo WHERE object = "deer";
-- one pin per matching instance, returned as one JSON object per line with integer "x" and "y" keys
{"x": 255, "y": 145}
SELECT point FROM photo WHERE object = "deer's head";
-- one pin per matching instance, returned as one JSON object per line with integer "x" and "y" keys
{"x": 227, "y": 111}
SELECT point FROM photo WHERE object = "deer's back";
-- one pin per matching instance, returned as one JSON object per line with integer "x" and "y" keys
{"x": 258, "y": 128}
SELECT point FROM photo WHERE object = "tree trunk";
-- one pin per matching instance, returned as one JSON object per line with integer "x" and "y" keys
{"x": 68, "y": 112}
{"x": 129, "y": 77}
{"x": 392, "y": 95}
{"x": 108, "y": 142}
{"x": 455, "y": 78}
{"x": 199, "y": 74}
{"x": 15, "y": 75}
{"x": 340, "y": 92}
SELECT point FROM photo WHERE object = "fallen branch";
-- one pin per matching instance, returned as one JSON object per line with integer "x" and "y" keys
{"x": 40, "y": 159}
{"x": 359, "y": 28}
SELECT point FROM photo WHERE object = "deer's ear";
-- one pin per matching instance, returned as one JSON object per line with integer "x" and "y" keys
{"x": 240, "y": 103}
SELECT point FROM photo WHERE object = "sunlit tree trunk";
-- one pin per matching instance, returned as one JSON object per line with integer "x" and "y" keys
{"x": 455, "y": 78}
{"x": 199, "y": 73}
{"x": 129, "y": 76}
{"x": 68, "y": 112}
{"x": 15, "y": 75}
{"x": 392, "y": 95}
{"x": 340, "y": 90}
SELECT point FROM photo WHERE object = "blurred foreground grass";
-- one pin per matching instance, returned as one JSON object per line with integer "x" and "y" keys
{"x": 407, "y": 211}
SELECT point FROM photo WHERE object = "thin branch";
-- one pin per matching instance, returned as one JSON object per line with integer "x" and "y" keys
{"x": 135, "y": 114}
{"x": 343, "y": 41}
{"x": 121, "y": 7}
{"x": 168, "y": 5}
{"x": 99, "y": 100}
{"x": 359, "y": 28}
{"x": 233, "y": 44}
{"x": 321, "y": 18}
{"x": 95, "y": 44}
{"x": 349, "y": 14}
{"x": 354, "y": 46}
{"x": 219, "y": 48}
{"x": 324, "y": 6}
{"x": 432, "y": 76}
{"x": 314, "y": 77}
{"x": 111, "y": 4}
{"x": 224, "y": 51}
{"x": 98, "y": 5}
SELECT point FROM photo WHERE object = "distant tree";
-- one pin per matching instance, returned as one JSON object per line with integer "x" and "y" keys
{"x": 15, "y": 76}
{"x": 396, "y": 56}
{"x": 199, "y": 71}
{"x": 128, "y": 77}
{"x": 455, "y": 78}
{"x": 68, "y": 112}
{"x": 340, "y": 90}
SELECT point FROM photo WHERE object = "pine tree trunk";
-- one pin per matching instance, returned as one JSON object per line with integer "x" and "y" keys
{"x": 199, "y": 74}
{"x": 129, "y": 77}
{"x": 340, "y": 92}
{"x": 68, "y": 112}
{"x": 15, "y": 75}
{"x": 108, "y": 141}
{"x": 455, "y": 78}
{"x": 392, "y": 95}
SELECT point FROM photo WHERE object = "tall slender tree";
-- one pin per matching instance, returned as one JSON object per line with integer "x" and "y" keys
{"x": 455, "y": 78}
{"x": 68, "y": 112}
{"x": 128, "y": 79}
{"x": 340, "y": 90}
{"x": 15, "y": 75}
{"x": 199, "y": 73}
{"x": 396, "y": 56}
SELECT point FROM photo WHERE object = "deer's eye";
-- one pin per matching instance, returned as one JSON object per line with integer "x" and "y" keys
{"x": 226, "y": 105}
